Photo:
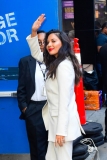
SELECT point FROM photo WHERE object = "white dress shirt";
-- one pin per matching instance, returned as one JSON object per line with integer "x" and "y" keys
{"x": 39, "y": 83}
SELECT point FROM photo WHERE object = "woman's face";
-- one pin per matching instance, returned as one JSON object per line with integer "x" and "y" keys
{"x": 53, "y": 44}
{"x": 41, "y": 40}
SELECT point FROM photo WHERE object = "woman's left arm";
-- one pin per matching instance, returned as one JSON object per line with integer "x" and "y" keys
{"x": 35, "y": 48}
{"x": 66, "y": 80}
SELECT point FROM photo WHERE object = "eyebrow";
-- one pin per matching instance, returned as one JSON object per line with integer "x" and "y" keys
{"x": 52, "y": 39}
{"x": 41, "y": 40}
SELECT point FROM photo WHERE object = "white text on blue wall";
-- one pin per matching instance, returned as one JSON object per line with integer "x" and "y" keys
{"x": 8, "y": 22}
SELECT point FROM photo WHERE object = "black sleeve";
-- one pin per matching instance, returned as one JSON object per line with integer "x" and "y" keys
{"x": 21, "y": 90}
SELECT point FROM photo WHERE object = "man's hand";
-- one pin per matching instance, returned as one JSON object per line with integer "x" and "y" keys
{"x": 37, "y": 24}
{"x": 60, "y": 140}
{"x": 24, "y": 110}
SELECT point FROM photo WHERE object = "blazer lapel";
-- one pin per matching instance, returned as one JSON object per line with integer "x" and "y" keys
{"x": 32, "y": 66}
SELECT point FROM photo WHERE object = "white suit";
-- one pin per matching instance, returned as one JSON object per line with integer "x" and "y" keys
{"x": 60, "y": 114}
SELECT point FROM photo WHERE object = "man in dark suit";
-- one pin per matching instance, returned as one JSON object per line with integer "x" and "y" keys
{"x": 103, "y": 58}
{"x": 31, "y": 101}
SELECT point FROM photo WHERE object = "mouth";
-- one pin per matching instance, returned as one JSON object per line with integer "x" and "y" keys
{"x": 50, "y": 49}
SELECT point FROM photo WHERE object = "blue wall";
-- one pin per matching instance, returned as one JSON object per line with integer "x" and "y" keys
{"x": 16, "y": 18}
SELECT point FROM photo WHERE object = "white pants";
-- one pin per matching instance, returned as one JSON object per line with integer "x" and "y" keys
{"x": 59, "y": 153}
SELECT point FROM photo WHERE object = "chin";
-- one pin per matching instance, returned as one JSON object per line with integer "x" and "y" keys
{"x": 51, "y": 54}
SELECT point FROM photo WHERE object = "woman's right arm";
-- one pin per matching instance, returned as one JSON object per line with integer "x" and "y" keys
{"x": 33, "y": 39}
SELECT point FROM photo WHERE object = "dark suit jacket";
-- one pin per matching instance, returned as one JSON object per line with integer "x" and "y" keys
{"x": 26, "y": 82}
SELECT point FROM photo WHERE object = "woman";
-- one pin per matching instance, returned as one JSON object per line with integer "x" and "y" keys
{"x": 60, "y": 114}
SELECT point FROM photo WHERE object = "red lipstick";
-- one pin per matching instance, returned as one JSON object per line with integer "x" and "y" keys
{"x": 50, "y": 49}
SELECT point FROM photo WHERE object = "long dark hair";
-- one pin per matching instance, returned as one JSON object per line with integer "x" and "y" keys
{"x": 65, "y": 51}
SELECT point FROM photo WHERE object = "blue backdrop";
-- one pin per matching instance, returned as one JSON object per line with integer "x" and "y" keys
{"x": 16, "y": 19}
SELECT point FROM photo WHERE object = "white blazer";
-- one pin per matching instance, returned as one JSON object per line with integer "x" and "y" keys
{"x": 60, "y": 114}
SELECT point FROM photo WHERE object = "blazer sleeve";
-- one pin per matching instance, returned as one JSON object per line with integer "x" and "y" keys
{"x": 34, "y": 48}
{"x": 21, "y": 89}
{"x": 65, "y": 78}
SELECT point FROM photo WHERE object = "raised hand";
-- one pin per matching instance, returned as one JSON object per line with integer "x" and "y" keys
{"x": 37, "y": 24}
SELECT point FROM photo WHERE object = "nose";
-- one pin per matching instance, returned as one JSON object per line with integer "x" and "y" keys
{"x": 49, "y": 44}
{"x": 42, "y": 49}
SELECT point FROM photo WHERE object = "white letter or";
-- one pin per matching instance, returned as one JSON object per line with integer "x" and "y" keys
{"x": 13, "y": 35}
{"x": 2, "y": 23}
{"x": 4, "y": 38}
{"x": 9, "y": 19}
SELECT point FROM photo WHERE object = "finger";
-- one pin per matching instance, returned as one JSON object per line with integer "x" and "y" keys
{"x": 63, "y": 140}
{"x": 55, "y": 142}
{"x": 41, "y": 18}
{"x": 60, "y": 142}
